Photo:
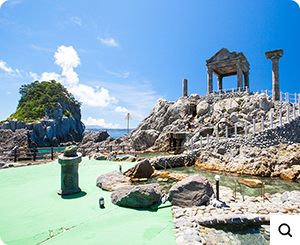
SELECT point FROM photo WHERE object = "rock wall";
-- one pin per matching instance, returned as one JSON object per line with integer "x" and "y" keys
{"x": 54, "y": 129}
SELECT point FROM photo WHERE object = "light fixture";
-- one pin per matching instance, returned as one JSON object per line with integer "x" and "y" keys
{"x": 217, "y": 179}
{"x": 101, "y": 202}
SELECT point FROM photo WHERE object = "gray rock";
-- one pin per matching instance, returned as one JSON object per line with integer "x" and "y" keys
{"x": 202, "y": 108}
{"x": 112, "y": 156}
{"x": 139, "y": 196}
{"x": 142, "y": 169}
{"x": 99, "y": 156}
{"x": 192, "y": 191}
{"x": 112, "y": 180}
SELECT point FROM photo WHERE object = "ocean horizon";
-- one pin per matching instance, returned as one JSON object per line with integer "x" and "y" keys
{"x": 115, "y": 133}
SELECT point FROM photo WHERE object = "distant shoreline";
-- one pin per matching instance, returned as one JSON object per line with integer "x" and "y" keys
{"x": 114, "y": 132}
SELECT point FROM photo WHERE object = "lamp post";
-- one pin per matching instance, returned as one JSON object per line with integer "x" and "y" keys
{"x": 217, "y": 178}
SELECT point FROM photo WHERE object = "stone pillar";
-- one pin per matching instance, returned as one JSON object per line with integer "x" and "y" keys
{"x": 209, "y": 80}
{"x": 184, "y": 87}
{"x": 220, "y": 85}
{"x": 246, "y": 80}
{"x": 275, "y": 55}
{"x": 239, "y": 76}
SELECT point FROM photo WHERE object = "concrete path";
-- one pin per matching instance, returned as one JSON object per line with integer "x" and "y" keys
{"x": 33, "y": 213}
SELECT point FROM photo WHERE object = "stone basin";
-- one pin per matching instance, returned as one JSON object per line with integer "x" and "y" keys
{"x": 69, "y": 161}
{"x": 69, "y": 174}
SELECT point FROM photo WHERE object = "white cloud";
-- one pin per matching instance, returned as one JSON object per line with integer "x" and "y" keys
{"x": 89, "y": 96}
{"x": 41, "y": 49}
{"x": 8, "y": 92}
{"x": 100, "y": 122}
{"x": 4, "y": 66}
{"x": 67, "y": 59}
{"x": 1, "y": 2}
{"x": 121, "y": 109}
{"x": 76, "y": 20}
{"x": 47, "y": 76}
{"x": 34, "y": 76}
{"x": 109, "y": 41}
{"x": 118, "y": 74}
{"x": 9, "y": 70}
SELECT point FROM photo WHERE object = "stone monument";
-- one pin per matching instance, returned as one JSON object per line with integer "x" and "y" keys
{"x": 275, "y": 55}
{"x": 184, "y": 88}
{"x": 69, "y": 171}
{"x": 225, "y": 63}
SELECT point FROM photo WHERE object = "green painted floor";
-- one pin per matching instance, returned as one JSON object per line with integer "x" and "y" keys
{"x": 31, "y": 211}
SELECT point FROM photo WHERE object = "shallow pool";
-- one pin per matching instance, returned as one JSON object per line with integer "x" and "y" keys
{"x": 272, "y": 185}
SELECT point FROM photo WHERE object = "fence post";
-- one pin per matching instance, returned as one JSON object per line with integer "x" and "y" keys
{"x": 232, "y": 89}
{"x": 207, "y": 144}
{"x": 34, "y": 154}
{"x": 287, "y": 97}
{"x": 288, "y": 113}
{"x": 192, "y": 145}
{"x": 235, "y": 130}
{"x": 52, "y": 155}
{"x": 280, "y": 96}
{"x": 246, "y": 129}
{"x": 266, "y": 92}
{"x": 294, "y": 111}
{"x": 253, "y": 126}
{"x": 271, "y": 120}
{"x": 225, "y": 91}
{"x": 15, "y": 154}
{"x": 200, "y": 142}
{"x": 217, "y": 136}
{"x": 239, "y": 89}
{"x": 280, "y": 117}
{"x": 295, "y": 98}
{"x": 262, "y": 123}
{"x": 226, "y": 133}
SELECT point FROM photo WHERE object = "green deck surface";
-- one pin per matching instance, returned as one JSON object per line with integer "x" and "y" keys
{"x": 32, "y": 212}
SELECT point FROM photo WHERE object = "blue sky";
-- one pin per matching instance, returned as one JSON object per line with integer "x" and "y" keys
{"x": 121, "y": 56}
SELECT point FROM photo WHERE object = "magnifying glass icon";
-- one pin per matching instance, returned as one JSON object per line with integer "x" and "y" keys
{"x": 286, "y": 229}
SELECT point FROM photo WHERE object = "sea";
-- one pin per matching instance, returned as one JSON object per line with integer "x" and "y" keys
{"x": 115, "y": 133}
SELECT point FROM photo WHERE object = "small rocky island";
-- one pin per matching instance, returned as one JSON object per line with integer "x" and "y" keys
{"x": 47, "y": 115}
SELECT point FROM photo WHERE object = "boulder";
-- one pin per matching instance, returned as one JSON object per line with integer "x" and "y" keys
{"x": 128, "y": 158}
{"x": 99, "y": 156}
{"x": 143, "y": 139}
{"x": 112, "y": 156}
{"x": 202, "y": 108}
{"x": 92, "y": 136}
{"x": 139, "y": 196}
{"x": 195, "y": 190}
{"x": 112, "y": 181}
{"x": 254, "y": 183}
{"x": 142, "y": 169}
{"x": 226, "y": 105}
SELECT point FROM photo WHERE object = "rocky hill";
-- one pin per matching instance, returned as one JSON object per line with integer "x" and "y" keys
{"x": 49, "y": 113}
{"x": 172, "y": 125}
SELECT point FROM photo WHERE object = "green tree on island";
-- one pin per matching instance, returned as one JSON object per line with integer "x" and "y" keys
{"x": 38, "y": 97}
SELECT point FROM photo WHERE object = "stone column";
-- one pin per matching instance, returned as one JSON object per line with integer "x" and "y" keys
{"x": 184, "y": 87}
{"x": 220, "y": 85}
{"x": 246, "y": 80}
{"x": 209, "y": 80}
{"x": 275, "y": 55}
{"x": 239, "y": 76}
